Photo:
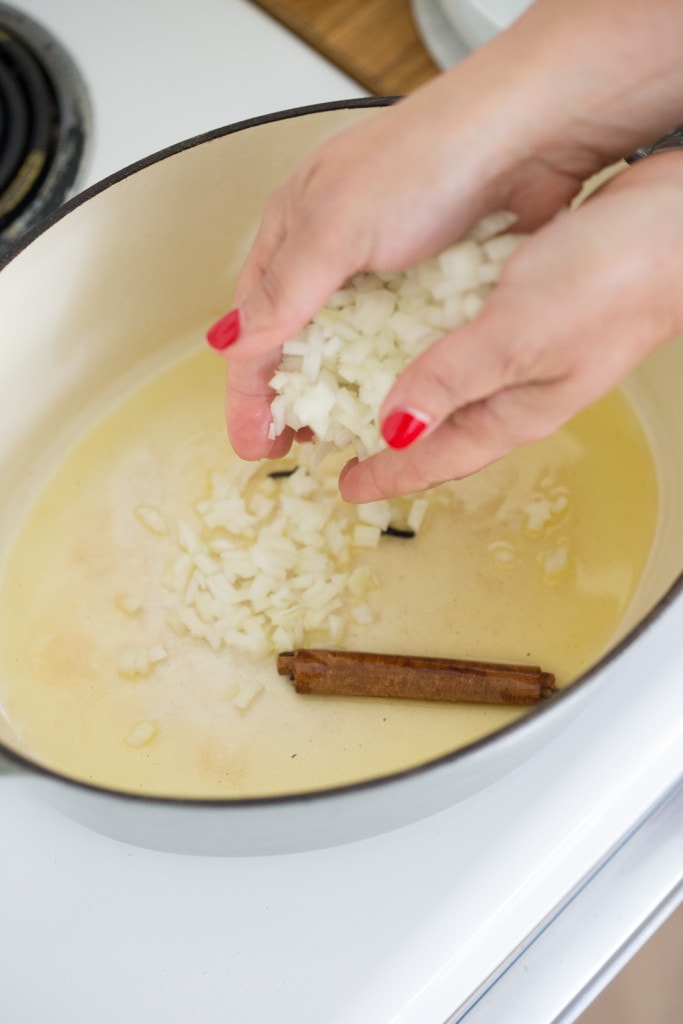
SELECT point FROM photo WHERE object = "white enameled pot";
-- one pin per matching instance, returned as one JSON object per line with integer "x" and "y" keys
{"x": 147, "y": 259}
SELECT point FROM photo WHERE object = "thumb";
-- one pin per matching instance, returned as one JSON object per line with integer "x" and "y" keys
{"x": 247, "y": 407}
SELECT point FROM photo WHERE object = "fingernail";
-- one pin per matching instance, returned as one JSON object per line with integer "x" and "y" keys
{"x": 402, "y": 427}
{"x": 225, "y": 332}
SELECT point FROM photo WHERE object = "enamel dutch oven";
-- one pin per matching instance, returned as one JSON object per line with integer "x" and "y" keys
{"x": 148, "y": 256}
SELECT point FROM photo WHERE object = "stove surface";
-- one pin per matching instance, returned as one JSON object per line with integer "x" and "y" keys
{"x": 44, "y": 124}
{"x": 164, "y": 70}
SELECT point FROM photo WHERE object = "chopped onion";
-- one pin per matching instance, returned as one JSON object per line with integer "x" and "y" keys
{"x": 141, "y": 734}
{"x": 271, "y": 563}
{"x": 247, "y": 694}
{"x": 134, "y": 661}
{"x": 152, "y": 518}
{"x": 336, "y": 372}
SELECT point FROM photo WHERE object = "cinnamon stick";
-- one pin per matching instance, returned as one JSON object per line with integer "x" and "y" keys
{"x": 358, "y": 674}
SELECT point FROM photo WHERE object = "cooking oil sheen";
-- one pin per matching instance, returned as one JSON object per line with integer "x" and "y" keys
{"x": 533, "y": 560}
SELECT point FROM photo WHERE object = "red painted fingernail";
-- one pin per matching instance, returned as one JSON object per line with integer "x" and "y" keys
{"x": 225, "y": 332}
{"x": 401, "y": 428}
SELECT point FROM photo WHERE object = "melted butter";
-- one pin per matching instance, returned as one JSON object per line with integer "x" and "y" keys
{"x": 532, "y": 560}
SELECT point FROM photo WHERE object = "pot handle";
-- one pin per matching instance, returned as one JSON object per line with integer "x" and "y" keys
{"x": 672, "y": 140}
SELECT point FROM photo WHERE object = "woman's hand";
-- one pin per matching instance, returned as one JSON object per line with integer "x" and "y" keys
{"x": 578, "y": 305}
{"x": 516, "y": 126}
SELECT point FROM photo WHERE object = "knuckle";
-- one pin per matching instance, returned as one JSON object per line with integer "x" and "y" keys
{"x": 435, "y": 379}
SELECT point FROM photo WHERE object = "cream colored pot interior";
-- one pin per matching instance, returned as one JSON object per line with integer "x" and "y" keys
{"x": 142, "y": 267}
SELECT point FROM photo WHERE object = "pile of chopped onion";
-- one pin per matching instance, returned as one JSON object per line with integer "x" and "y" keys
{"x": 273, "y": 562}
{"x": 336, "y": 372}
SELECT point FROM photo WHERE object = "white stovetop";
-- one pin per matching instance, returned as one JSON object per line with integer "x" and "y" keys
{"x": 401, "y": 929}
{"x": 165, "y": 70}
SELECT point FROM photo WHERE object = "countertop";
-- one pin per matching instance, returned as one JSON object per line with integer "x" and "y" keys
{"x": 374, "y": 41}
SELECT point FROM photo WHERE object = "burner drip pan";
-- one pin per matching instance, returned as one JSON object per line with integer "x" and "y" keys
{"x": 44, "y": 124}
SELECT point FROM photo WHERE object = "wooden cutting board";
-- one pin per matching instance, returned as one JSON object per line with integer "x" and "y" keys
{"x": 373, "y": 41}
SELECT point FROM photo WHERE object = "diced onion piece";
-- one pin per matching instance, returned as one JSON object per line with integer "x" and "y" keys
{"x": 418, "y": 511}
{"x": 152, "y": 518}
{"x": 365, "y": 536}
{"x": 492, "y": 224}
{"x": 556, "y": 562}
{"x": 538, "y": 512}
{"x": 362, "y": 581}
{"x": 503, "y": 551}
{"x": 141, "y": 734}
{"x": 230, "y": 689}
{"x": 376, "y": 513}
{"x": 134, "y": 661}
{"x": 178, "y": 573}
{"x": 188, "y": 538}
{"x": 362, "y": 614}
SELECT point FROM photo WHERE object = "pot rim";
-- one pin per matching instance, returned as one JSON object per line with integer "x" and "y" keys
{"x": 521, "y": 725}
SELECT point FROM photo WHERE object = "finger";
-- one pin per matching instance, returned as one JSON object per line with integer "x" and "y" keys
{"x": 465, "y": 442}
{"x": 266, "y": 242}
{"x": 248, "y": 398}
{"x": 270, "y": 234}
{"x": 559, "y": 294}
{"x": 297, "y": 282}
{"x": 305, "y": 248}
{"x": 459, "y": 370}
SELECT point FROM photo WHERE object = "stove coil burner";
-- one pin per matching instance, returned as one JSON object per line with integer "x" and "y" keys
{"x": 44, "y": 124}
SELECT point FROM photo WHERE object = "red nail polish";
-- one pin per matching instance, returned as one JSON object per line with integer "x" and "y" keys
{"x": 401, "y": 428}
{"x": 225, "y": 332}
